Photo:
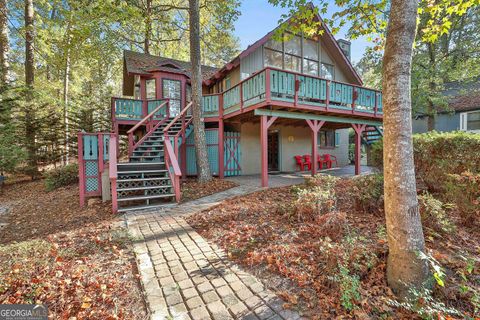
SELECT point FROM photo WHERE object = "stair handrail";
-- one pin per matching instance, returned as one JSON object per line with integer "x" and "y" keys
{"x": 131, "y": 144}
{"x": 148, "y": 134}
{"x": 112, "y": 166}
{"x": 181, "y": 114}
{"x": 147, "y": 117}
{"x": 171, "y": 161}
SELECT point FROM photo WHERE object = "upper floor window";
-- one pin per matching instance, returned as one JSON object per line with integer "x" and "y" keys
{"x": 136, "y": 88}
{"x": 228, "y": 83}
{"x": 327, "y": 138}
{"x": 172, "y": 90}
{"x": 273, "y": 54}
{"x": 150, "y": 87}
{"x": 327, "y": 71}
{"x": 297, "y": 54}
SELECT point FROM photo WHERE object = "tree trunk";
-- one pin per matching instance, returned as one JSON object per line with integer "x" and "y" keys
{"x": 432, "y": 87}
{"x": 30, "y": 124}
{"x": 148, "y": 26}
{"x": 203, "y": 167}
{"x": 4, "y": 45}
{"x": 405, "y": 270}
{"x": 66, "y": 86}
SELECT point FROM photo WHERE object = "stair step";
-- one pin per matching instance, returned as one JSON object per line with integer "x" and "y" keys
{"x": 148, "y": 157}
{"x": 142, "y": 171}
{"x": 149, "y": 197}
{"x": 141, "y": 207}
{"x": 144, "y": 188}
{"x": 144, "y": 179}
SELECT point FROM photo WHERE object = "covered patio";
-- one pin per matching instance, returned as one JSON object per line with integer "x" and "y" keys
{"x": 293, "y": 178}
{"x": 315, "y": 122}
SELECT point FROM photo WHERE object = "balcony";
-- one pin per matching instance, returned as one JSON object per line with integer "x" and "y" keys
{"x": 272, "y": 87}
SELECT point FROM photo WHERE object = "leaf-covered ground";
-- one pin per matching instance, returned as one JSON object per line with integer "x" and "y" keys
{"x": 77, "y": 261}
{"x": 191, "y": 189}
{"x": 329, "y": 260}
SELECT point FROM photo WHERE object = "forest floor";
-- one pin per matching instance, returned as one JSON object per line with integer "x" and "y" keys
{"x": 328, "y": 257}
{"x": 192, "y": 190}
{"x": 77, "y": 261}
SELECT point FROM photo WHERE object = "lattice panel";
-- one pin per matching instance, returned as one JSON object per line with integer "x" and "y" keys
{"x": 160, "y": 183}
{"x": 91, "y": 184}
{"x": 159, "y": 191}
{"x": 91, "y": 168}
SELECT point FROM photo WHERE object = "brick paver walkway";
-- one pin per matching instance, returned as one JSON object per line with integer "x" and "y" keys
{"x": 185, "y": 277}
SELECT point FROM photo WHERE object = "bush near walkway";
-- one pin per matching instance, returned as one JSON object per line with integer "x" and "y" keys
{"x": 439, "y": 154}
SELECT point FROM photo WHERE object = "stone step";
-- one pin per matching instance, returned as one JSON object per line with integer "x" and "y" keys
{"x": 141, "y": 207}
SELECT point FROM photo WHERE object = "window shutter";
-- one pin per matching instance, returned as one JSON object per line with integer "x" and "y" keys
{"x": 337, "y": 139}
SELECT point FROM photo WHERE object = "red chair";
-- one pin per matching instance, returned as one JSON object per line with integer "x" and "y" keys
{"x": 321, "y": 161}
{"x": 308, "y": 161}
{"x": 330, "y": 160}
{"x": 300, "y": 163}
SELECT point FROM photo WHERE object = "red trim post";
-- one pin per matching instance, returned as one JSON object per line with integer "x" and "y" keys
{"x": 354, "y": 98}
{"x": 315, "y": 125}
{"x": 81, "y": 170}
{"x": 268, "y": 92}
{"x": 221, "y": 139}
{"x": 296, "y": 88}
{"x": 112, "y": 158}
{"x": 265, "y": 123}
{"x": 359, "y": 128}
{"x": 327, "y": 98}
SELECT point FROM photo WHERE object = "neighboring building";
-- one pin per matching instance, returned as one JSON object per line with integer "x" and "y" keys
{"x": 462, "y": 112}
{"x": 273, "y": 101}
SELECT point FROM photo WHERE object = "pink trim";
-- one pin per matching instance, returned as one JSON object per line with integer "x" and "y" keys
{"x": 81, "y": 170}
{"x": 315, "y": 126}
{"x": 359, "y": 128}
{"x": 112, "y": 159}
{"x": 265, "y": 123}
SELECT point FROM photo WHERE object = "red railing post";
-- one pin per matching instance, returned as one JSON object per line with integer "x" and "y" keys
{"x": 241, "y": 96}
{"x": 296, "y": 88}
{"x": 130, "y": 144}
{"x": 354, "y": 98}
{"x": 327, "y": 99}
{"x": 221, "y": 151}
{"x": 112, "y": 161}
{"x": 268, "y": 92}
{"x": 81, "y": 170}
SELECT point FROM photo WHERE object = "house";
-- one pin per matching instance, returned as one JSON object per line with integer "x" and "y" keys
{"x": 461, "y": 113}
{"x": 273, "y": 101}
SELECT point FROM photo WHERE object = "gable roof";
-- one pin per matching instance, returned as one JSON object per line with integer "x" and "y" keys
{"x": 142, "y": 63}
{"x": 330, "y": 42}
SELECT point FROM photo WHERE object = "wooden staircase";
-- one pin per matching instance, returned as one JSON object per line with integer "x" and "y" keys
{"x": 372, "y": 134}
{"x": 144, "y": 182}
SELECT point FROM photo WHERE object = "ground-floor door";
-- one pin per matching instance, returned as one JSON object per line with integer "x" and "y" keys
{"x": 273, "y": 151}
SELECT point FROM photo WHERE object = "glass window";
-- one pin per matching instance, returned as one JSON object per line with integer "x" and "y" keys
{"x": 275, "y": 45}
{"x": 326, "y": 138}
{"x": 136, "y": 88}
{"x": 310, "y": 67}
{"x": 473, "y": 120}
{"x": 292, "y": 63}
{"x": 294, "y": 46}
{"x": 172, "y": 90}
{"x": 189, "y": 93}
{"x": 228, "y": 83}
{"x": 150, "y": 84}
{"x": 327, "y": 71}
{"x": 273, "y": 58}
{"x": 310, "y": 49}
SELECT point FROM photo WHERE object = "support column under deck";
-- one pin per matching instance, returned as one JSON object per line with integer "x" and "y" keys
{"x": 265, "y": 123}
{"x": 221, "y": 152}
{"x": 315, "y": 126}
{"x": 359, "y": 128}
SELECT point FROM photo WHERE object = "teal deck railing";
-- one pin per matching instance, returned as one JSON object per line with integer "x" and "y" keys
{"x": 273, "y": 85}
{"x": 211, "y": 105}
{"x": 136, "y": 110}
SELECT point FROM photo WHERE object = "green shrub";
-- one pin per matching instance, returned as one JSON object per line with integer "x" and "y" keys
{"x": 368, "y": 192}
{"x": 315, "y": 197}
{"x": 433, "y": 213}
{"x": 464, "y": 191}
{"x": 60, "y": 177}
{"x": 439, "y": 154}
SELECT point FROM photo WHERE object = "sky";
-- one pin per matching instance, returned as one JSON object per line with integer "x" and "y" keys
{"x": 258, "y": 17}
